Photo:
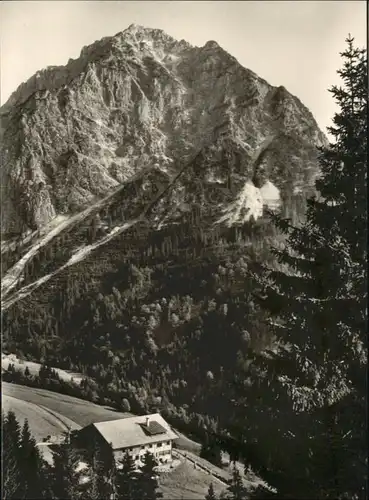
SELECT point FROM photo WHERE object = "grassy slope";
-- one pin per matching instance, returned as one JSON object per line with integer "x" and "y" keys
{"x": 42, "y": 421}
{"x": 79, "y": 411}
{"x": 187, "y": 482}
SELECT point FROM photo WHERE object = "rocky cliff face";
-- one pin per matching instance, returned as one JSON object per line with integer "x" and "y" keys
{"x": 140, "y": 100}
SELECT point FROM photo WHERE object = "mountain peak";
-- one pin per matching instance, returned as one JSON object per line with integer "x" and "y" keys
{"x": 137, "y": 28}
{"x": 211, "y": 44}
{"x": 140, "y": 33}
{"x": 131, "y": 101}
{"x": 134, "y": 27}
{"x": 140, "y": 30}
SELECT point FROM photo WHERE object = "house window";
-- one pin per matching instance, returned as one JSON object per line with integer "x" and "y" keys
{"x": 159, "y": 444}
{"x": 142, "y": 447}
{"x": 137, "y": 457}
{"x": 168, "y": 442}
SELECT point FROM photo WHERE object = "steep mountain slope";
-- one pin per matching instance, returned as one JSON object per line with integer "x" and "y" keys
{"x": 142, "y": 102}
{"x": 72, "y": 134}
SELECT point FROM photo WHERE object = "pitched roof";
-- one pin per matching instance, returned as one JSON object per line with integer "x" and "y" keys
{"x": 132, "y": 431}
{"x": 154, "y": 428}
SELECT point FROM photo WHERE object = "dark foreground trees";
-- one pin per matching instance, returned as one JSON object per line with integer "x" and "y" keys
{"x": 65, "y": 476}
{"x": 127, "y": 479}
{"x": 24, "y": 471}
{"x": 148, "y": 479}
{"x": 310, "y": 411}
{"x": 102, "y": 474}
{"x": 10, "y": 456}
{"x": 71, "y": 476}
{"x": 236, "y": 490}
{"x": 210, "y": 451}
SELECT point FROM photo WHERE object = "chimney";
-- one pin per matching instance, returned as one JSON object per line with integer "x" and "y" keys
{"x": 147, "y": 421}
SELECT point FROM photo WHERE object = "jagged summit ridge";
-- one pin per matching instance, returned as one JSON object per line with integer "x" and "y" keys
{"x": 56, "y": 76}
{"x": 138, "y": 99}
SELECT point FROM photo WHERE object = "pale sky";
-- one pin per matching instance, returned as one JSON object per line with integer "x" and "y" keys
{"x": 290, "y": 43}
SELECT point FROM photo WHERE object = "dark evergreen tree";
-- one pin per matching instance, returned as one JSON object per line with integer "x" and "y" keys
{"x": 148, "y": 483}
{"x": 263, "y": 493}
{"x": 31, "y": 466}
{"x": 65, "y": 477}
{"x": 127, "y": 487}
{"x": 211, "y": 451}
{"x": 210, "y": 494}
{"x": 318, "y": 301}
{"x": 236, "y": 490}
{"x": 10, "y": 454}
{"x": 108, "y": 463}
{"x": 102, "y": 473}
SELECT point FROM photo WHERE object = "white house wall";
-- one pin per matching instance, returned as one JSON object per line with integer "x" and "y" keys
{"x": 161, "y": 450}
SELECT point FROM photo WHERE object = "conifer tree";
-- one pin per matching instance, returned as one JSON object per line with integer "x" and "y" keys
{"x": 148, "y": 482}
{"x": 109, "y": 467}
{"x": 236, "y": 490}
{"x": 127, "y": 487}
{"x": 102, "y": 473}
{"x": 30, "y": 466}
{"x": 210, "y": 494}
{"x": 317, "y": 300}
{"x": 263, "y": 493}
{"x": 211, "y": 451}
{"x": 65, "y": 477}
{"x": 10, "y": 456}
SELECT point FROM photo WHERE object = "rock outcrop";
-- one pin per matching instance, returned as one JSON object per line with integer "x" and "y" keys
{"x": 140, "y": 100}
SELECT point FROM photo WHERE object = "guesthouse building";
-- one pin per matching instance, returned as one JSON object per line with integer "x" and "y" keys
{"x": 135, "y": 435}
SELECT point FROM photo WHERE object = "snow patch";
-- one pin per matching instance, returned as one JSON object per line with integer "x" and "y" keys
{"x": 249, "y": 203}
{"x": 244, "y": 143}
{"x": 77, "y": 257}
{"x": 15, "y": 273}
{"x": 10, "y": 280}
{"x": 84, "y": 251}
{"x": 263, "y": 88}
{"x": 212, "y": 179}
{"x": 81, "y": 466}
{"x": 172, "y": 57}
{"x": 28, "y": 235}
{"x": 270, "y": 195}
{"x": 144, "y": 110}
